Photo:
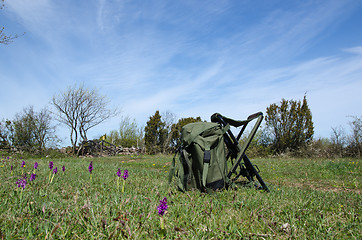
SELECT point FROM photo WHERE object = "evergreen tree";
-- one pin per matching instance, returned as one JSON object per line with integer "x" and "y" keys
{"x": 155, "y": 134}
{"x": 176, "y": 130}
{"x": 290, "y": 124}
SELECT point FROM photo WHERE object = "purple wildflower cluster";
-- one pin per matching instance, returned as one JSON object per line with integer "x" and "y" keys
{"x": 52, "y": 171}
{"x": 119, "y": 172}
{"x": 21, "y": 182}
{"x": 162, "y": 207}
{"x": 32, "y": 177}
{"x": 90, "y": 168}
{"x": 125, "y": 174}
{"x": 36, "y": 165}
{"x": 23, "y": 164}
{"x": 63, "y": 168}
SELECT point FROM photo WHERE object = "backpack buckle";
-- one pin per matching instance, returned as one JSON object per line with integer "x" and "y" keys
{"x": 207, "y": 156}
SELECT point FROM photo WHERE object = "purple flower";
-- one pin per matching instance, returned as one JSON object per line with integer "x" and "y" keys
{"x": 51, "y": 164}
{"x": 32, "y": 177}
{"x": 23, "y": 164}
{"x": 125, "y": 174}
{"x": 36, "y": 165}
{"x": 21, "y": 182}
{"x": 90, "y": 168}
{"x": 11, "y": 167}
{"x": 119, "y": 172}
{"x": 162, "y": 207}
{"x": 63, "y": 168}
{"x": 55, "y": 170}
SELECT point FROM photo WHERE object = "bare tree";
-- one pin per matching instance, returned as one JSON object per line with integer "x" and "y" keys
{"x": 169, "y": 118}
{"x": 6, "y": 38}
{"x": 128, "y": 135}
{"x": 44, "y": 131}
{"x": 338, "y": 139}
{"x": 355, "y": 141}
{"x": 81, "y": 109}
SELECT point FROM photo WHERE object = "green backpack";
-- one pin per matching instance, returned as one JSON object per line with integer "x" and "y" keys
{"x": 202, "y": 159}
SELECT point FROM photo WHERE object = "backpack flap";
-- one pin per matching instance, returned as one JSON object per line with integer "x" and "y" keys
{"x": 208, "y": 159}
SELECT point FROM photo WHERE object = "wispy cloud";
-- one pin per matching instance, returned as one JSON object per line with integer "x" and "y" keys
{"x": 355, "y": 50}
{"x": 233, "y": 57}
{"x": 296, "y": 29}
{"x": 32, "y": 13}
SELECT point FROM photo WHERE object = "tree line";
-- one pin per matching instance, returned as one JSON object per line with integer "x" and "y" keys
{"x": 288, "y": 128}
{"x": 78, "y": 108}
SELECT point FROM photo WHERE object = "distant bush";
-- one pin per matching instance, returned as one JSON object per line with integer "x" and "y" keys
{"x": 29, "y": 131}
{"x": 128, "y": 135}
{"x": 339, "y": 145}
{"x": 290, "y": 125}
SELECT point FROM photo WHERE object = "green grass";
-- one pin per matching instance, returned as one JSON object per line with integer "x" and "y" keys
{"x": 309, "y": 199}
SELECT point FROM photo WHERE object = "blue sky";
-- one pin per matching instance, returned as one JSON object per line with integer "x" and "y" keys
{"x": 190, "y": 57}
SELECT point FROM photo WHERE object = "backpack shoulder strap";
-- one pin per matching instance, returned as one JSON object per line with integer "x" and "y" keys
{"x": 182, "y": 159}
{"x": 173, "y": 167}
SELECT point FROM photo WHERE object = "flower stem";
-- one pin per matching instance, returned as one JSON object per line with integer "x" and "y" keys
{"x": 162, "y": 223}
{"x": 21, "y": 196}
{"x": 163, "y": 229}
{"x": 52, "y": 178}
{"x": 124, "y": 182}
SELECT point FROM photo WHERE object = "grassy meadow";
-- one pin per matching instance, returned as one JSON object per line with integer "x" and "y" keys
{"x": 309, "y": 199}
